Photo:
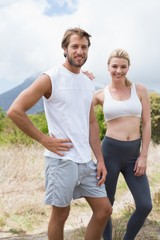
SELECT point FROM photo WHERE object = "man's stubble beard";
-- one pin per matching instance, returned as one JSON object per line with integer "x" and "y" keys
{"x": 73, "y": 63}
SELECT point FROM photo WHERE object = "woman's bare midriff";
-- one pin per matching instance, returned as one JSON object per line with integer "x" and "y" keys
{"x": 124, "y": 128}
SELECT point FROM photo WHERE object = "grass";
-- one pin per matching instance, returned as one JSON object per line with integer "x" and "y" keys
{"x": 22, "y": 211}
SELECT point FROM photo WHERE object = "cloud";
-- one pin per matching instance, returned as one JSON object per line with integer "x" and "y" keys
{"x": 61, "y": 7}
{"x": 31, "y": 33}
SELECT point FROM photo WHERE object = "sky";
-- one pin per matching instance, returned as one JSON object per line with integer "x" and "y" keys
{"x": 31, "y": 32}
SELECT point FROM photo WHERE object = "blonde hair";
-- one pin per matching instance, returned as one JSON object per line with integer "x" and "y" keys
{"x": 121, "y": 53}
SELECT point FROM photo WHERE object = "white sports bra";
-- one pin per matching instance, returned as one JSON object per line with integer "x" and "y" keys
{"x": 113, "y": 108}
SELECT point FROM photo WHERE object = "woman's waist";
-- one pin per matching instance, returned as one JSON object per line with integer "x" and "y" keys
{"x": 127, "y": 129}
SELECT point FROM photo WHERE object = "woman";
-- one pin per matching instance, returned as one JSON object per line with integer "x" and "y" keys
{"x": 126, "y": 106}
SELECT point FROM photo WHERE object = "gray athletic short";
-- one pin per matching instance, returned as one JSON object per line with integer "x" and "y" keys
{"x": 67, "y": 180}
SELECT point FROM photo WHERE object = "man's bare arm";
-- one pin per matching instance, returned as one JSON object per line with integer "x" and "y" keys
{"x": 27, "y": 99}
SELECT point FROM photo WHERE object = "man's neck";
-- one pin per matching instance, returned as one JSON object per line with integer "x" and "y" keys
{"x": 71, "y": 68}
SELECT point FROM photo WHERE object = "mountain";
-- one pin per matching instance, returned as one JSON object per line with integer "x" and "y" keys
{"x": 8, "y": 97}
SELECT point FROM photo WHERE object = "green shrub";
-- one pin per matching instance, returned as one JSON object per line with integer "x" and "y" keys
{"x": 2, "y": 117}
{"x": 155, "y": 117}
{"x": 12, "y": 134}
{"x": 100, "y": 119}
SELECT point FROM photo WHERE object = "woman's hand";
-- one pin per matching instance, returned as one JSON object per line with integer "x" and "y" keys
{"x": 89, "y": 75}
{"x": 140, "y": 166}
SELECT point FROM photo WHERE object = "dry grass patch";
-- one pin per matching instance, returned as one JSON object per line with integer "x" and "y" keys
{"x": 23, "y": 212}
{"x": 21, "y": 189}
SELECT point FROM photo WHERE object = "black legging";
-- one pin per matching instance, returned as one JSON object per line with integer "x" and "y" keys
{"x": 120, "y": 156}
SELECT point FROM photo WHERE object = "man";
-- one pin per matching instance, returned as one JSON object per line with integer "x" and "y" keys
{"x": 70, "y": 172}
